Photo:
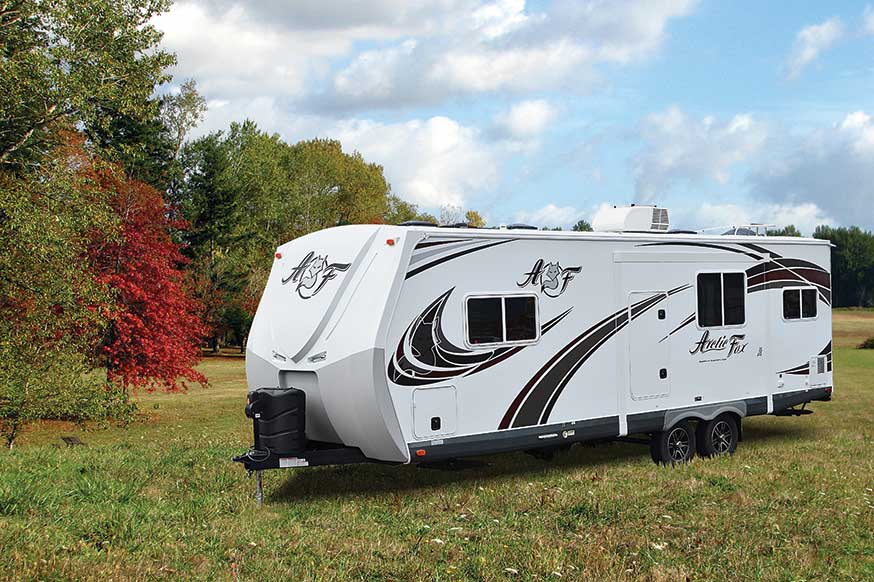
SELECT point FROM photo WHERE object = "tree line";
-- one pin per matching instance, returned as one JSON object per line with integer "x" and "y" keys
{"x": 126, "y": 247}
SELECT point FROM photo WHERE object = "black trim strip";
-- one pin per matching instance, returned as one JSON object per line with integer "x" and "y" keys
{"x": 516, "y": 439}
{"x": 563, "y": 433}
{"x": 785, "y": 400}
{"x": 757, "y": 406}
{"x": 646, "y": 422}
{"x": 442, "y": 260}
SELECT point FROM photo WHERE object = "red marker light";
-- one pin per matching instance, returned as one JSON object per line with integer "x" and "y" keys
{"x": 278, "y": 255}
{"x": 390, "y": 242}
{"x": 420, "y": 453}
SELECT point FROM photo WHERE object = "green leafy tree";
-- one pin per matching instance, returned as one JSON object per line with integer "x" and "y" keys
{"x": 181, "y": 112}
{"x": 474, "y": 219}
{"x": 399, "y": 210}
{"x": 852, "y": 258}
{"x": 789, "y": 230}
{"x": 74, "y": 62}
{"x": 208, "y": 202}
{"x": 582, "y": 226}
{"x": 142, "y": 147}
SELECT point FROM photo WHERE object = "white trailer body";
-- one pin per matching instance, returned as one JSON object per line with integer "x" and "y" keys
{"x": 423, "y": 343}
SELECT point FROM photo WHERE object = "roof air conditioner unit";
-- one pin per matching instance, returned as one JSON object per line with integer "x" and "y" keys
{"x": 632, "y": 219}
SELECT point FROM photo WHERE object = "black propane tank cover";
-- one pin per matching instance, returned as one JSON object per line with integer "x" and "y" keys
{"x": 280, "y": 419}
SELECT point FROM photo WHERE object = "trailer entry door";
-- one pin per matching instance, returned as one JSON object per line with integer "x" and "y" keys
{"x": 649, "y": 373}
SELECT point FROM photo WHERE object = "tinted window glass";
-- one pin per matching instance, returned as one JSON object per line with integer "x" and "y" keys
{"x": 521, "y": 314}
{"x": 484, "y": 323}
{"x": 808, "y": 303}
{"x": 709, "y": 299}
{"x": 792, "y": 304}
{"x": 733, "y": 298}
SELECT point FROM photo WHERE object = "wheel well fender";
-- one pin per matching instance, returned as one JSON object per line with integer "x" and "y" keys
{"x": 704, "y": 413}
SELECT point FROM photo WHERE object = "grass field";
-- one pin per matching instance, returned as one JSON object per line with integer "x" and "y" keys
{"x": 162, "y": 499}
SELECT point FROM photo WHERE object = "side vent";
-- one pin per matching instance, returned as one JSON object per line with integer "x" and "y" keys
{"x": 660, "y": 219}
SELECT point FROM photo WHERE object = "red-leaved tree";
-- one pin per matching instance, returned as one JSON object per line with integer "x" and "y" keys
{"x": 155, "y": 331}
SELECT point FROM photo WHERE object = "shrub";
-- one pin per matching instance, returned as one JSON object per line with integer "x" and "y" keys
{"x": 868, "y": 344}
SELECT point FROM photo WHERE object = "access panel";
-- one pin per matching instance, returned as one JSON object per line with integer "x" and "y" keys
{"x": 649, "y": 373}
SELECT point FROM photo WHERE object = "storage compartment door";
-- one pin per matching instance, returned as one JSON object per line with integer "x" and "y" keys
{"x": 434, "y": 412}
{"x": 649, "y": 353}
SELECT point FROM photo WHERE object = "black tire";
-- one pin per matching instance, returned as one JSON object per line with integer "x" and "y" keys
{"x": 675, "y": 445}
{"x": 718, "y": 436}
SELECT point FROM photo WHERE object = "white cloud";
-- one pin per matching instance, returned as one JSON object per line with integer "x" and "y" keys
{"x": 868, "y": 19}
{"x": 550, "y": 215}
{"x": 231, "y": 55}
{"x": 810, "y": 42}
{"x": 502, "y": 46}
{"x": 526, "y": 119}
{"x": 433, "y": 162}
{"x": 678, "y": 148}
{"x": 831, "y": 167}
{"x": 501, "y": 17}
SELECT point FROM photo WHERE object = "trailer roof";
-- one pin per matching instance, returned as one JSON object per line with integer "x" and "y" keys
{"x": 430, "y": 231}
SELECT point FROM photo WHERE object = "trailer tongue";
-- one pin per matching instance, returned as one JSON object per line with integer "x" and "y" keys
{"x": 279, "y": 422}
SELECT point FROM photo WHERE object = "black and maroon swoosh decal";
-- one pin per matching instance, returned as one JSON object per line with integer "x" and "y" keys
{"x": 534, "y": 403}
{"x": 689, "y": 319}
{"x": 425, "y": 355}
{"x": 429, "y": 254}
{"x": 782, "y": 272}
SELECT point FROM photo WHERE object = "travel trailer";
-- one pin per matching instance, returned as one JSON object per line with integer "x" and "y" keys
{"x": 413, "y": 343}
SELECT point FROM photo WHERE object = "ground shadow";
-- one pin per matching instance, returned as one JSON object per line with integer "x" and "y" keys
{"x": 376, "y": 479}
{"x": 380, "y": 479}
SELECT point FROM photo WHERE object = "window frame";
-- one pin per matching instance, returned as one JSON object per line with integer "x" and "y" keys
{"x": 721, "y": 272}
{"x": 799, "y": 289}
{"x": 502, "y": 297}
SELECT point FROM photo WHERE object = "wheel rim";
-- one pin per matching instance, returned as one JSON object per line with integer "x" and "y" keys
{"x": 721, "y": 435}
{"x": 679, "y": 444}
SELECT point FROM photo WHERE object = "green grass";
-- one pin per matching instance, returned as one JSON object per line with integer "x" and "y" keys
{"x": 162, "y": 499}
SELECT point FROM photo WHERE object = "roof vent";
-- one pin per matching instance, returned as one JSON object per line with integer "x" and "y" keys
{"x": 632, "y": 218}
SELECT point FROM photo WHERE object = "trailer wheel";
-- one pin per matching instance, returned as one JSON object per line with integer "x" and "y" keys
{"x": 675, "y": 445}
{"x": 718, "y": 436}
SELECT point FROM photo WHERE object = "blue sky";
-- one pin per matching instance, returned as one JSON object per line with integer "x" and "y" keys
{"x": 724, "y": 112}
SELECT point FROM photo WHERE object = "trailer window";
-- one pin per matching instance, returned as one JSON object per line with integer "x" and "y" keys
{"x": 484, "y": 320}
{"x": 721, "y": 299}
{"x": 495, "y": 320}
{"x": 521, "y": 317}
{"x": 799, "y": 303}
